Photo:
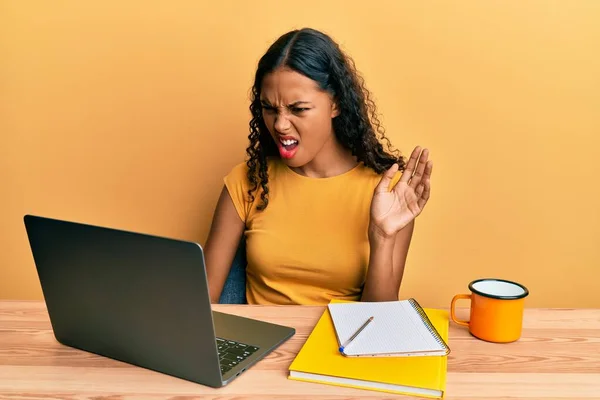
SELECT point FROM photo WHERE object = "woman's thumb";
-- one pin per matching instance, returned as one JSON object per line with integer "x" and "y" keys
{"x": 386, "y": 179}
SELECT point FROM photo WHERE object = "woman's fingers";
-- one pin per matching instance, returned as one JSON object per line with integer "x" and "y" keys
{"x": 410, "y": 166}
{"x": 420, "y": 170}
{"x": 426, "y": 191}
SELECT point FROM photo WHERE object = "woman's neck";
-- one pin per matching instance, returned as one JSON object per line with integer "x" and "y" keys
{"x": 333, "y": 159}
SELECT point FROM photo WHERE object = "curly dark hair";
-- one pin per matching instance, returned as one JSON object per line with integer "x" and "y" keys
{"x": 357, "y": 127}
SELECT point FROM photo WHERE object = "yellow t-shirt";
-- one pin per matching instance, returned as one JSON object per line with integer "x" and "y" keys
{"x": 311, "y": 242}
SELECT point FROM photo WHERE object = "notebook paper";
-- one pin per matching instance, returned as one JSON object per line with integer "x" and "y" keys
{"x": 320, "y": 361}
{"x": 399, "y": 328}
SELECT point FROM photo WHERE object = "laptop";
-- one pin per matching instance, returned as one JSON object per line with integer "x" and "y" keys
{"x": 143, "y": 300}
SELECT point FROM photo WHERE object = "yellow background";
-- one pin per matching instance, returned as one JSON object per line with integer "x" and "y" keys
{"x": 129, "y": 113}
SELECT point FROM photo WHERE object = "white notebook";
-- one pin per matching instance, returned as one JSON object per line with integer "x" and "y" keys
{"x": 399, "y": 328}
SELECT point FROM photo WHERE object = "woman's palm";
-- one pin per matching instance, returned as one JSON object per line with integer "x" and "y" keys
{"x": 392, "y": 210}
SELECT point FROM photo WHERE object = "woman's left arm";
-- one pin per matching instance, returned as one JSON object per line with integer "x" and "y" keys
{"x": 386, "y": 265}
{"x": 392, "y": 223}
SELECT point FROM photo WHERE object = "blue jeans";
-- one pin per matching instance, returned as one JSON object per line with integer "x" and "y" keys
{"x": 234, "y": 291}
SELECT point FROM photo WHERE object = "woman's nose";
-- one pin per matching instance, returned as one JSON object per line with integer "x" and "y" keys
{"x": 282, "y": 124}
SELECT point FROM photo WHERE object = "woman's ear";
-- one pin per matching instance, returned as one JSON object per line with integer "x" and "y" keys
{"x": 335, "y": 110}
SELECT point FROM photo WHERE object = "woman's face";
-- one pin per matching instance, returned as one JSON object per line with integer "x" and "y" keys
{"x": 298, "y": 115}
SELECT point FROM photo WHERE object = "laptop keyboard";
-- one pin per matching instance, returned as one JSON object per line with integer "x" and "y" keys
{"x": 231, "y": 353}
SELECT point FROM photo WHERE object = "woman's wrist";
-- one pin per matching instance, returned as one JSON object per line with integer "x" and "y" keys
{"x": 378, "y": 237}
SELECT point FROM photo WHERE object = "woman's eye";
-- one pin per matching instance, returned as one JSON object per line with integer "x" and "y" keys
{"x": 298, "y": 110}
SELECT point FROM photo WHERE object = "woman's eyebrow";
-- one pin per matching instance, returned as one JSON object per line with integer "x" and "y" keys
{"x": 297, "y": 103}
{"x": 294, "y": 104}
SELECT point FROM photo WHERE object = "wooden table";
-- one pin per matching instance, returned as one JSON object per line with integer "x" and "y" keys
{"x": 558, "y": 357}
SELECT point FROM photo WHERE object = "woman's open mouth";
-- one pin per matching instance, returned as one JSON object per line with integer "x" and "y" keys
{"x": 287, "y": 147}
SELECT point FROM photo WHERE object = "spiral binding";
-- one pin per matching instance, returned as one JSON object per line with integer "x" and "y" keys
{"x": 428, "y": 324}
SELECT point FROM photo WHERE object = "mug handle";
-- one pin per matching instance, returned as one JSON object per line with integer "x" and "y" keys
{"x": 452, "y": 305}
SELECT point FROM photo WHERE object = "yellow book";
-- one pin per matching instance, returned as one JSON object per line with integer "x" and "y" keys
{"x": 320, "y": 361}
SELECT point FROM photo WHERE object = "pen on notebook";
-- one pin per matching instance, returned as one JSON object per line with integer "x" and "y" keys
{"x": 355, "y": 334}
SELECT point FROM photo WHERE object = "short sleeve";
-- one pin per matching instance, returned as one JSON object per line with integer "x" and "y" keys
{"x": 237, "y": 185}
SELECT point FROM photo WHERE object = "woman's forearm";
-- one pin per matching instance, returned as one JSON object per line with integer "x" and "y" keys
{"x": 382, "y": 283}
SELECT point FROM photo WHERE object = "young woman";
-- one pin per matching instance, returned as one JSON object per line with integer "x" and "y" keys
{"x": 328, "y": 211}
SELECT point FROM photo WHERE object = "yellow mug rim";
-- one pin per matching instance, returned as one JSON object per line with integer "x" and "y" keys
{"x": 500, "y": 297}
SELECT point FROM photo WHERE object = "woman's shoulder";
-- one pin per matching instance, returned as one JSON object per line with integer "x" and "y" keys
{"x": 361, "y": 174}
{"x": 239, "y": 168}
{"x": 239, "y": 172}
